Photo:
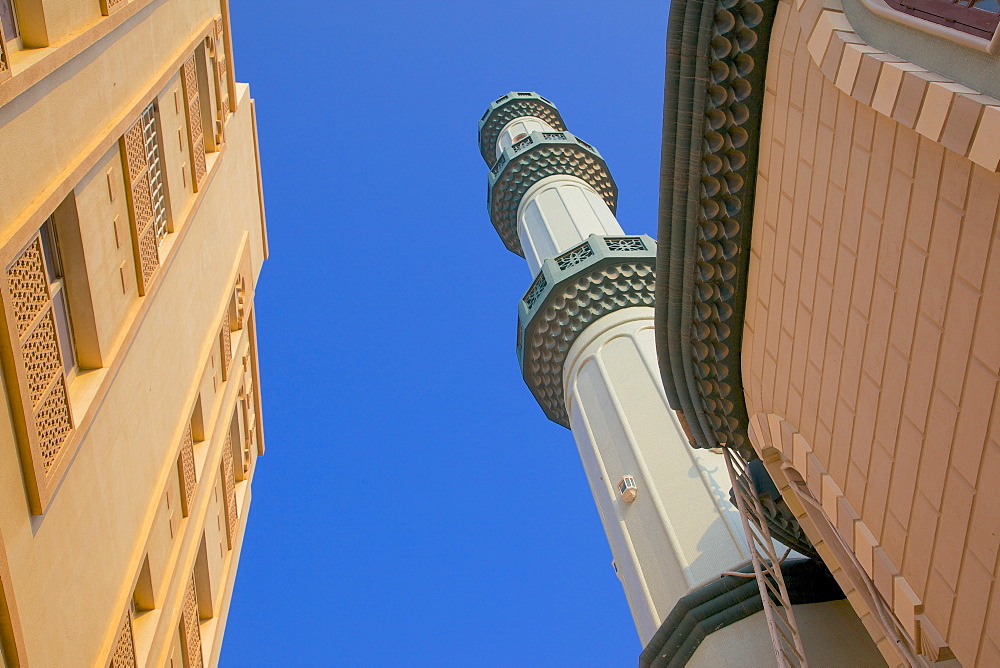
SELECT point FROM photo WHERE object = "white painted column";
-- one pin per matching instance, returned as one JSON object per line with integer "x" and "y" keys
{"x": 681, "y": 531}
{"x": 560, "y": 212}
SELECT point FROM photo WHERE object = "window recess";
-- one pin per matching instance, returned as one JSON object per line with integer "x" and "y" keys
{"x": 195, "y": 130}
{"x": 8, "y": 32}
{"x": 41, "y": 342}
{"x": 975, "y": 17}
{"x": 146, "y": 189}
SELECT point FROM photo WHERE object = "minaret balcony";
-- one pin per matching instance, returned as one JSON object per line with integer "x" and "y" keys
{"x": 571, "y": 291}
{"x": 533, "y": 158}
{"x": 508, "y": 108}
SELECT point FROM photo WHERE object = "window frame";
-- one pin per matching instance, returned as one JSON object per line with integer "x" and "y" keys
{"x": 964, "y": 18}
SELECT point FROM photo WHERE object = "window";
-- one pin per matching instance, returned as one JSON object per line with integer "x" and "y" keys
{"x": 975, "y": 17}
{"x": 153, "y": 154}
{"x": 8, "y": 22}
{"x": 42, "y": 341}
{"x": 57, "y": 291}
{"x": 627, "y": 488}
{"x": 142, "y": 158}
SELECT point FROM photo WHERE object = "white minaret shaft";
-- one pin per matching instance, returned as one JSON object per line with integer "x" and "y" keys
{"x": 585, "y": 343}
{"x": 560, "y": 212}
{"x": 680, "y": 531}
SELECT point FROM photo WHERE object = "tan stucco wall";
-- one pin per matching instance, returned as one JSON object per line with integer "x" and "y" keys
{"x": 69, "y": 571}
{"x": 871, "y": 326}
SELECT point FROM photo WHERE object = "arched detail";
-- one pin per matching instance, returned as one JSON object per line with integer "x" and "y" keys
{"x": 885, "y": 602}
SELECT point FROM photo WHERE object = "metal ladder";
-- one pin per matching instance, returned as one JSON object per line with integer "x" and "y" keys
{"x": 766, "y": 567}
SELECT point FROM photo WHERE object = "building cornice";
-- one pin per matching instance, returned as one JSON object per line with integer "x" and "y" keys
{"x": 716, "y": 58}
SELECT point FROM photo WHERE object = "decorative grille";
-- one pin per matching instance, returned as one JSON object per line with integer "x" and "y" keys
{"x": 143, "y": 208}
{"x": 190, "y": 630}
{"x": 575, "y": 256}
{"x": 196, "y": 133}
{"x": 36, "y": 330}
{"x": 229, "y": 489}
{"x": 524, "y": 143}
{"x": 155, "y": 171}
{"x": 554, "y": 135}
{"x": 226, "y": 343}
{"x": 766, "y": 566}
{"x": 221, "y": 71}
{"x": 4, "y": 64}
{"x": 535, "y": 291}
{"x": 123, "y": 655}
{"x": 186, "y": 471}
{"x": 108, "y": 6}
{"x": 976, "y": 17}
{"x": 625, "y": 244}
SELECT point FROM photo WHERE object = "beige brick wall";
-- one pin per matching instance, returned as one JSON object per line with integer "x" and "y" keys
{"x": 873, "y": 326}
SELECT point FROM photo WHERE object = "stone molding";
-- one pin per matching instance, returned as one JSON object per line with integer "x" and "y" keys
{"x": 530, "y": 160}
{"x": 941, "y": 109}
{"x": 507, "y": 108}
{"x": 717, "y": 54}
{"x": 571, "y": 291}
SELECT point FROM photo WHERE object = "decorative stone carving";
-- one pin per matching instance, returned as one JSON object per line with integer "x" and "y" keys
{"x": 505, "y": 109}
{"x": 701, "y": 325}
{"x": 564, "y": 300}
{"x": 530, "y": 160}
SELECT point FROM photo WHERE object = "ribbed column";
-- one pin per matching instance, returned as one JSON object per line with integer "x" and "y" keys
{"x": 558, "y": 213}
{"x": 587, "y": 352}
{"x": 681, "y": 530}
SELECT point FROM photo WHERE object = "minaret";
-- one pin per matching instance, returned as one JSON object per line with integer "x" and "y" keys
{"x": 586, "y": 346}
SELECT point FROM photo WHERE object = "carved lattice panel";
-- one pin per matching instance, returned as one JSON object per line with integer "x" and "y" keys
{"x": 221, "y": 71}
{"x": 42, "y": 361}
{"x": 143, "y": 215}
{"x": 229, "y": 489}
{"x": 29, "y": 288}
{"x": 190, "y": 630}
{"x": 53, "y": 423}
{"x": 149, "y": 254}
{"x": 4, "y": 58}
{"x": 226, "y": 344}
{"x": 45, "y": 397}
{"x": 123, "y": 655}
{"x": 186, "y": 471}
{"x": 196, "y": 134}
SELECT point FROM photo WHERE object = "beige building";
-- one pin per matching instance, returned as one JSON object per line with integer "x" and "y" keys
{"x": 131, "y": 237}
{"x": 830, "y": 301}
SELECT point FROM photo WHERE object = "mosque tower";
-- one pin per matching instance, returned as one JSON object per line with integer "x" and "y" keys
{"x": 585, "y": 342}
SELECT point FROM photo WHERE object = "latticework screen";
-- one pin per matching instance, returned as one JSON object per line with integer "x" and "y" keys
{"x": 186, "y": 471}
{"x": 146, "y": 204}
{"x": 123, "y": 655}
{"x": 229, "y": 489}
{"x": 190, "y": 629}
{"x": 226, "y": 345}
{"x": 221, "y": 71}
{"x": 34, "y": 319}
{"x": 196, "y": 133}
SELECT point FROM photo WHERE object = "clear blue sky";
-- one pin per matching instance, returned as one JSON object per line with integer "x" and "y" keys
{"x": 414, "y": 506}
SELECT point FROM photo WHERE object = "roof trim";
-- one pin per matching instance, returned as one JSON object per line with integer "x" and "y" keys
{"x": 714, "y": 92}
